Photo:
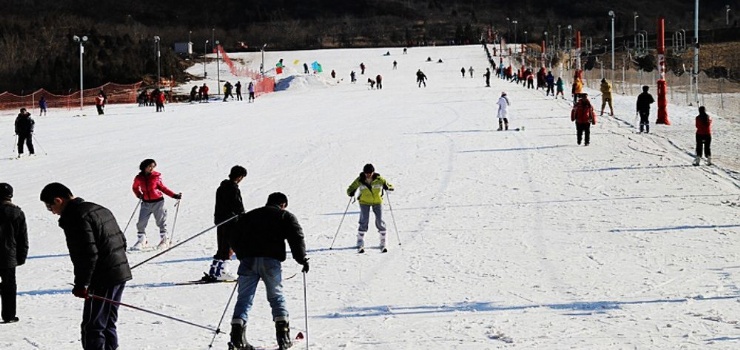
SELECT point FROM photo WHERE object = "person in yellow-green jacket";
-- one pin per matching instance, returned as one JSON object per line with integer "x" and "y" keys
{"x": 371, "y": 186}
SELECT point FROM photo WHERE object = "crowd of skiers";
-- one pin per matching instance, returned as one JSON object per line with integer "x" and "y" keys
{"x": 98, "y": 248}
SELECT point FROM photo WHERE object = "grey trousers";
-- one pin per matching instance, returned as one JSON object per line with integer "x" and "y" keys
{"x": 365, "y": 217}
{"x": 160, "y": 217}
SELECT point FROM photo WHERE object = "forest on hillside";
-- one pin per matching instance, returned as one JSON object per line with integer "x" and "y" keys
{"x": 38, "y": 49}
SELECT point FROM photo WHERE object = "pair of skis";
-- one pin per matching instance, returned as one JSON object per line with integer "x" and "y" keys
{"x": 361, "y": 250}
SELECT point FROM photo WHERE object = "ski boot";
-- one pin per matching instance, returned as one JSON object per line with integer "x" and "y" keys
{"x": 239, "y": 336}
{"x": 282, "y": 333}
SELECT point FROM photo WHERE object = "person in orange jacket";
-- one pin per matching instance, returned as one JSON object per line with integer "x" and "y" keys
{"x": 584, "y": 116}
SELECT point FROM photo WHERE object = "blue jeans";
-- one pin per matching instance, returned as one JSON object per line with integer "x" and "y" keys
{"x": 270, "y": 271}
{"x": 365, "y": 217}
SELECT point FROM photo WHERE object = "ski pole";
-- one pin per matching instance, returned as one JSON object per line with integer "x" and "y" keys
{"x": 174, "y": 222}
{"x": 393, "y": 217}
{"x": 340, "y": 222}
{"x": 132, "y": 216}
{"x": 220, "y": 320}
{"x": 305, "y": 307}
{"x": 15, "y": 142}
{"x": 39, "y": 143}
{"x": 183, "y": 242}
{"x": 118, "y": 303}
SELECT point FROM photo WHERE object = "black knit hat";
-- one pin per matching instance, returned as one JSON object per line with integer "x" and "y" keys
{"x": 6, "y": 191}
{"x": 368, "y": 168}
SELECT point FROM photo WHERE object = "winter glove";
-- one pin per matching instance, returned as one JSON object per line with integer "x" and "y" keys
{"x": 177, "y": 196}
{"x": 80, "y": 292}
{"x": 305, "y": 265}
{"x": 351, "y": 194}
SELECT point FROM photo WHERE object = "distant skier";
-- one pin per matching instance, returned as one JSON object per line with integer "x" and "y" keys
{"x": 395, "y": 65}
{"x": 227, "y": 91}
{"x": 470, "y": 71}
{"x": 352, "y": 77}
{"x": 379, "y": 81}
{"x": 205, "y": 92}
{"x": 305, "y": 68}
{"x": 462, "y": 71}
{"x": 228, "y": 204}
{"x": 584, "y": 116}
{"x": 362, "y": 68}
{"x": 371, "y": 82}
{"x": 487, "y": 75}
{"x": 644, "y": 100}
{"x": 250, "y": 88}
{"x": 238, "y": 87}
{"x": 503, "y": 112}
{"x": 333, "y": 74}
{"x": 42, "y": 106}
{"x": 703, "y": 136}
{"x": 577, "y": 89}
{"x": 606, "y": 97}
{"x": 560, "y": 88}
{"x": 24, "y": 125}
{"x": 421, "y": 78}
{"x": 193, "y": 93}
{"x": 371, "y": 186}
{"x": 550, "y": 82}
{"x": 100, "y": 104}
{"x": 148, "y": 187}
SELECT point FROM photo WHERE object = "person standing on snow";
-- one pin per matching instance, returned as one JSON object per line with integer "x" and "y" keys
{"x": 560, "y": 88}
{"x": 379, "y": 82}
{"x": 470, "y": 71}
{"x": 644, "y": 100}
{"x": 606, "y": 97}
{"x": 13, "y": 250}
{"x": 24, "y": 129}
{"x": 550, "y": 82}
{"x": 503, "y": 112}
{"x": 577, "y": 89}
{"x": 148, "y": 187}
{"x": 371, "y": 186}
{"x": 584, "y": 116}
{"x": 703, "y": 136}
{"x": 421, "y": 78}
{"x": 487, "y": 74}
{"x": 238, "y": 87}
{"x": 362, "y": 68}
{"x": 250, "y": 88}
{"x": 100, "y": 103}
{"x": 228, "y": 204}
{"x": 42, "y": 106}
{"x": 259, "y": 244}
{"x": 462, "y": 71}
{"x": 97, "y": 248}
{"x": 205, "y": 92}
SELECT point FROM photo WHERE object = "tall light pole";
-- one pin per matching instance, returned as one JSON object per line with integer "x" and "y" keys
{"x": 262, "y": 65}
{"x": 525, "y": 37}
{"x": 190, "y": 44}
{"x": 557, "y": 45}
{"x": 514, "y": 22}
{"x": 727, "y": 15}
{"x": 611, "y": 14}
{"x": 156, "y": 40}
{"x": 205, "y": 52}
{"x": 696, "y": 52}
{"x": 81, "y": 40}
{"x": 218, "y": 73}
{"x": 634, "y": 19}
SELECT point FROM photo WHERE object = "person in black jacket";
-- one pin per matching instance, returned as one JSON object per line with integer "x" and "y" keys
{"x": 644, "y": 100}
{"x": 259, "y": 243}
{"x": 13, "y": 250}
{"x": 97, "y": 248}
{"x": 228, "y": 205}
{"x": 24, "y": 129}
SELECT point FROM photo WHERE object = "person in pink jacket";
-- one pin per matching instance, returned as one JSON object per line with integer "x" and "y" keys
{"x": 149, "y": 188}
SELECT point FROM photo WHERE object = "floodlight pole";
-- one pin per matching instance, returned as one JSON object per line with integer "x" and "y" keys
{"x": 156, "y": 40}
{"x": 81, "y": 40}
{"x": 611, "y": 14}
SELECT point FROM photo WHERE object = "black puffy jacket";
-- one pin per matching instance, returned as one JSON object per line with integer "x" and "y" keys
{"x": 24, "y": 124}
{"x": 262, "y": 232}
{"x": 96, "y": 244}
{"x": 13, "y": 235}
{"x": 228, "y": 202}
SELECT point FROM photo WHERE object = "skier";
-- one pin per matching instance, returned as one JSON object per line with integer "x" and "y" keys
{"x": 227, "y": 91}
{"x": 24, "y": 129}
{"x": 395, "y": 65}
{"x": 503, "y": 112}
{"x": 13, "y": 250}
{"x": 238, "y": 87}
{"x": 352, "y": 77}
{"x": 250, "y": 88}
{"x": 100, "y": 104}
{"x": 577, "y": 89}
{"x": 205, "y": 92}
{"x": 333, "y": 74}
{"x": 259, "y": 244}
{"x": 362, "y": 68}
{"x": 560, "y": 88}
{"x": 305, "y": 68}
{"x": 379, "y": 81}
{"x": 584, "y": 116}
{"x": 148, "y": 187}
{"x": 606, "y": 97}
{"x": 42, "y": 106}
{"x": 371, "y": 186}
{"x": 470, "y": 70}
{"x": 421, "y": 78}
{"x": 644, "y": 100}
{"x": 97, "y": 249}
{"x": 550, "y": 82}
{"x": 487, "y": 74}
{"x": 228, "y": 204}
{"x": 703, "y": 136}
{"x": 462, "y": 71}
{"x": 371, "y": 82}
{"x": 193, "y": 93}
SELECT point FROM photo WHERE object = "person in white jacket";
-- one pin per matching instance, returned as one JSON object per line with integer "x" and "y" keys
{"x": 503, "y": 112}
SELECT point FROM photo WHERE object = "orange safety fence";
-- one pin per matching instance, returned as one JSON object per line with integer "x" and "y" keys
{"x": 115, "y": 93}
{"x": 262, "y": 84}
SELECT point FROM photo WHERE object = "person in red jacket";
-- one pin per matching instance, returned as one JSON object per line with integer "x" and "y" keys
{"x": 703, "y": 136}
{"x": 100, "y": 104}
{"x": 148, "y": 187}
{"x": 584, "y": 116}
